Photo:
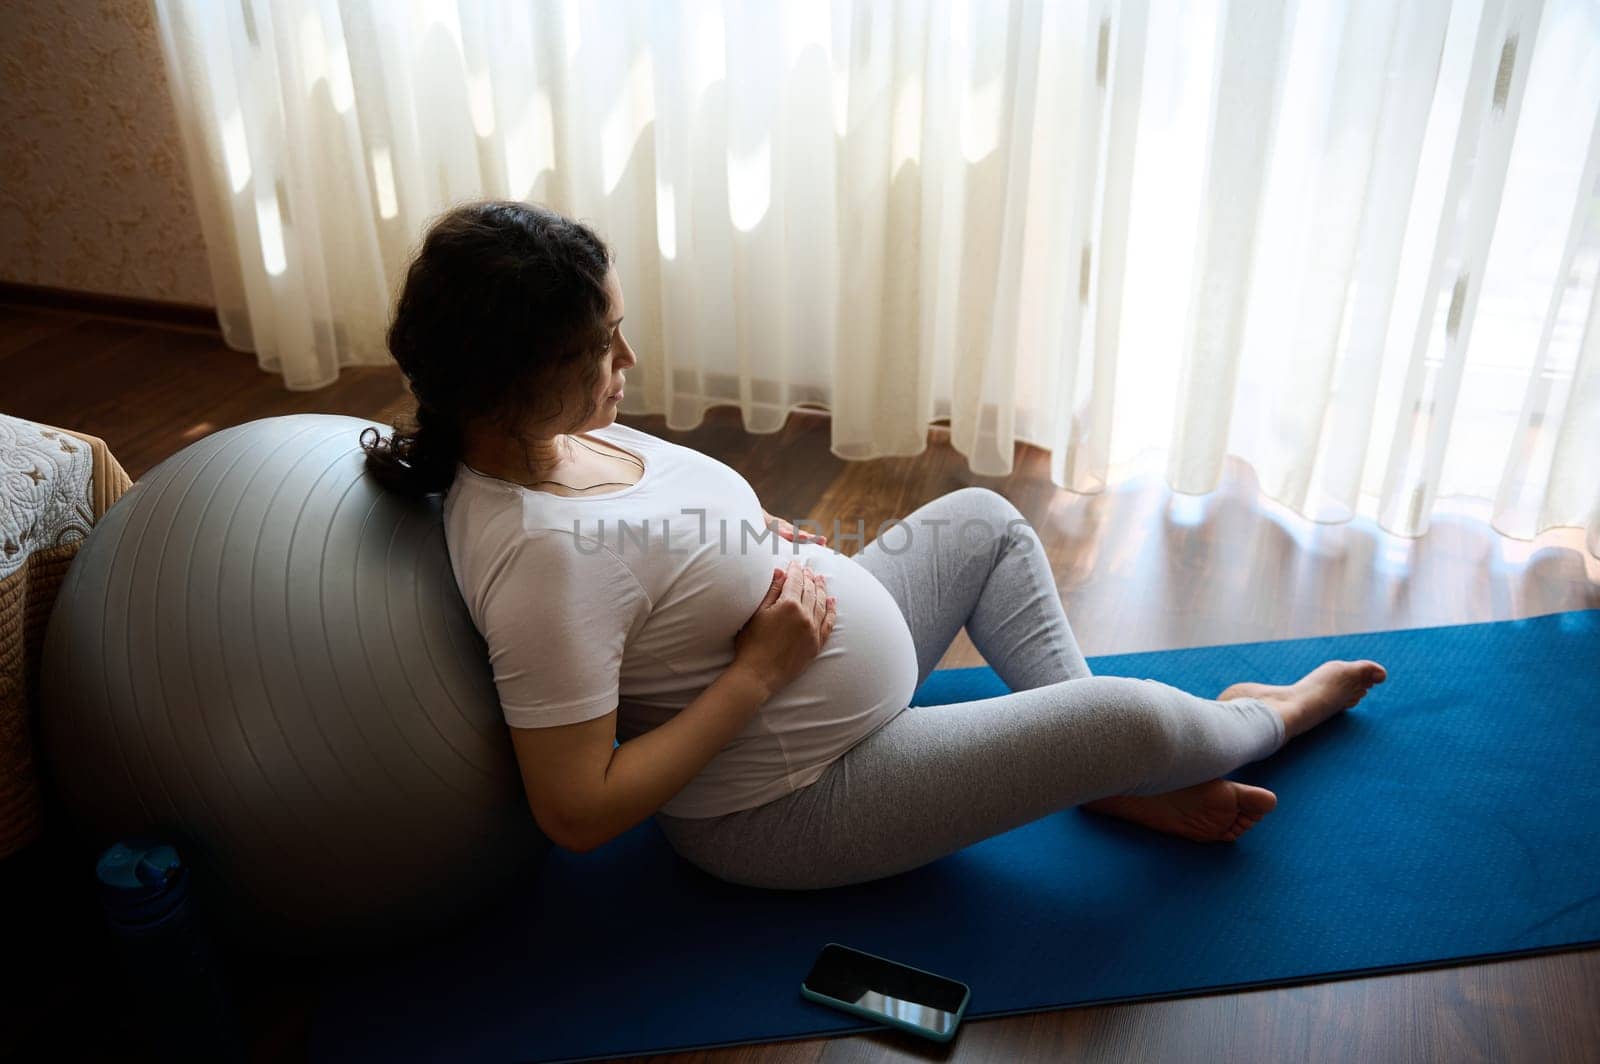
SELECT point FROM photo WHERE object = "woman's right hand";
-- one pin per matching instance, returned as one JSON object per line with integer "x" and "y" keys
{"x": 788, "y": 629}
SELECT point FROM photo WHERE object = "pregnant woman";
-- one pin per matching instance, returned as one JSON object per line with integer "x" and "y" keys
{"x": 632, "y": 589}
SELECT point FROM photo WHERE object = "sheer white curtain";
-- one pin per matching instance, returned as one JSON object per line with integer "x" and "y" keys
{"x": 1356, "y": 243}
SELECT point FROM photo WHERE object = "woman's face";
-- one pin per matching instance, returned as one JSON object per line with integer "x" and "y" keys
{"x": 617, "y": 358}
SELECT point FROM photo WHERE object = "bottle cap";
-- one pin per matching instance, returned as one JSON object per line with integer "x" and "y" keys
{"x": 141, "y": 881}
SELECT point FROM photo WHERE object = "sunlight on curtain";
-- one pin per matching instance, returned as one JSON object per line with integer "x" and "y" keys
{"x": 1355, "y": 244}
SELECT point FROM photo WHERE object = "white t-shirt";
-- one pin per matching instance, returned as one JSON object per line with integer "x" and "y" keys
{"x": 631, "y": 600}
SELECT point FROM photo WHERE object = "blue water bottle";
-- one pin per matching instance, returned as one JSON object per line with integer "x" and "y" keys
{"x": 170, "y": 968}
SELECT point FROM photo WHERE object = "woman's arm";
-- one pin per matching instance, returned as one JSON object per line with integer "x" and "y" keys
{"x": 646, "y": 771}
{"x": 590, "y": 793}
{"x": 584, "y": 790}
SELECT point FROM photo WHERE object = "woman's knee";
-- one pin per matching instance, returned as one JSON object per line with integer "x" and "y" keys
{"x": 984, "y": 502}
{"x": 975, "y": 516}
{"x": 1136, "y": 716}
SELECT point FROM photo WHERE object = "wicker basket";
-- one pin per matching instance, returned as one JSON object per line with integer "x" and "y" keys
{"x": 25, "y": 599}
{"x": 38, "y": 462}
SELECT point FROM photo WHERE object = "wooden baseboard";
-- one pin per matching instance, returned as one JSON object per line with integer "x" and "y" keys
{"x": 183, "y": 315}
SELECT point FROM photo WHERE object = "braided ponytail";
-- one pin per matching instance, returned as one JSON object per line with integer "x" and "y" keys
{"x": 416, "y": 460}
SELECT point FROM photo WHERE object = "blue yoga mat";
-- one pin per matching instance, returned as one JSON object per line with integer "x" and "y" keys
{"x": 1454, "y": 814}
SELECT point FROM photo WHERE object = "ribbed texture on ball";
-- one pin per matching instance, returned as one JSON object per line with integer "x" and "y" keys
{"x": 261, "y": 650}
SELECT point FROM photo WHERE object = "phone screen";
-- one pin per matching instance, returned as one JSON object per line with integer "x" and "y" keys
{"x": 886, "y": 988}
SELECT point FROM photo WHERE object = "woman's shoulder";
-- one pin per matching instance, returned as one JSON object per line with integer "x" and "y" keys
{"x": 471, "y": 501}
{"x": 669, "y": 458}
{"x": 621, "y": 433}
{"x": 500, "y": 551}
{"x": 480, "y": 512}
{"x": 484, "y": 522}
{"x": 481, "y": 515}
{"x": 625, "y": 429}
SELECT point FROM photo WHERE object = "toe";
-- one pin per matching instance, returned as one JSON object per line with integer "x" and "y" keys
{"x": 1255, "y": 802}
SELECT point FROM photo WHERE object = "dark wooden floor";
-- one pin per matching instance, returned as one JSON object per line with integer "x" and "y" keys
{"x": 1139, "y": 568}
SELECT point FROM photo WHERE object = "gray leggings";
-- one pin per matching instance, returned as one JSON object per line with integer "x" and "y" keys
{"x": 935, "y": 779}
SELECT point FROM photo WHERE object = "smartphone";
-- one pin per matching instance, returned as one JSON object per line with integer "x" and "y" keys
{"x": 877, "y": 988}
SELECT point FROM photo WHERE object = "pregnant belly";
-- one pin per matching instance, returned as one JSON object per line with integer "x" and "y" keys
{"x": 867, "y": 669}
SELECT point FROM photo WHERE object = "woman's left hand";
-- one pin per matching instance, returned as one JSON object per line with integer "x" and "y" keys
{"x": 787, "y": 530}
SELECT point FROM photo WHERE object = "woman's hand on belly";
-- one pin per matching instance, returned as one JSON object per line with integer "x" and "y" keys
{"x": 788, "y": 531}
{"x": 871, "y": 659}
{"x": 789, "y": 627}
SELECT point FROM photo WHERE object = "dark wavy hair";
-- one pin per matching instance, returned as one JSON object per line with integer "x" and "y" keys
{"x": 501, "y": 305}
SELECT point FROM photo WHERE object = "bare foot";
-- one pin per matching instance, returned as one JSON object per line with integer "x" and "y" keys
{"x": 1332, "y": 687}
{"x": 1218, "y": 811}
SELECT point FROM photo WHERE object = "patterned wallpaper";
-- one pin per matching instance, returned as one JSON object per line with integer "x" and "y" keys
{"x": 93, "y": 190}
